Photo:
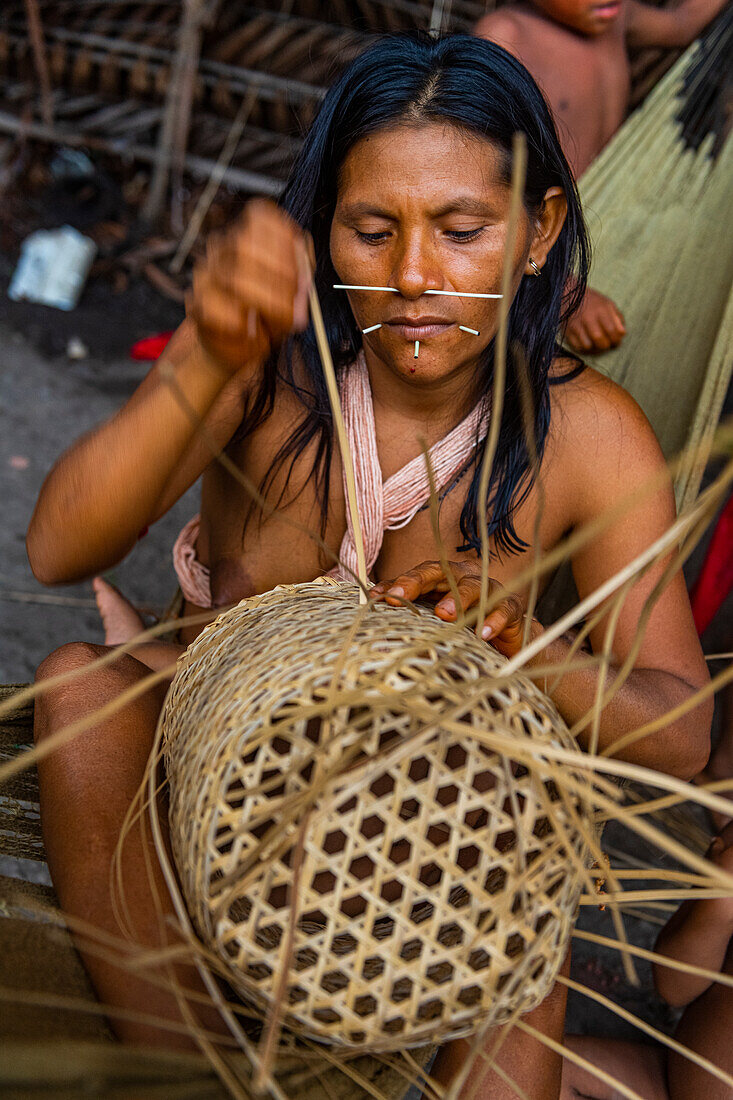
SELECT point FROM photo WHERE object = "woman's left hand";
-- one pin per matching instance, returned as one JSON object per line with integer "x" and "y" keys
{"x": 503, "y": 627}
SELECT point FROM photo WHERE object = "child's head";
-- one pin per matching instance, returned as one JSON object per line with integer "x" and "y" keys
{"x": 588, "y": 17}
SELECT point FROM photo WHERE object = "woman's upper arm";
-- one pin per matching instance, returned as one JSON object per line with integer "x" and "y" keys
{"x": 623, "y": 469}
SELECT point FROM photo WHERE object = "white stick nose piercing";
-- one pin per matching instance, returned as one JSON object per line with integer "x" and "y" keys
{"x": 463, "y": 294}
{"x": 350, "y": 286}
{"x": 394, "y": 290}
{"x": 536, "y": 269}
{"x": 372, "y": 328}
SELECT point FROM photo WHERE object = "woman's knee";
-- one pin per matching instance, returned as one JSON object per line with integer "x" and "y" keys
{"x": 75, "y": 679}
{"x": 69, "y": 658}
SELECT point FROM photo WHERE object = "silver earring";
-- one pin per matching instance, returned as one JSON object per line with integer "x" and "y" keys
{"x": 536, "y": 269}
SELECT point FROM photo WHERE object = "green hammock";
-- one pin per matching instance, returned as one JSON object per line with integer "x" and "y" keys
{"x": 659, "y": 204}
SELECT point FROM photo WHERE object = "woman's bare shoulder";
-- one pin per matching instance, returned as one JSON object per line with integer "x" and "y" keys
{"x": 600, "y": 440}
{"x": 589, "y": 406}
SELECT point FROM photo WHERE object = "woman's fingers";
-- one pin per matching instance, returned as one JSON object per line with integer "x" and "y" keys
{"x": 252, "y": 288}
{"x": 469, "y": 593}
{"x": 504, "y": 627}
{"x": 423, "y": 578}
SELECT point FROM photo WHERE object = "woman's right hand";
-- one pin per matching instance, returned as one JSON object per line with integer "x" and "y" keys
{"x": 251, "y": 290}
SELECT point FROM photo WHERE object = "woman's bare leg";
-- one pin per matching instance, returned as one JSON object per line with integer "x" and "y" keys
{"x": 86, "y": 789}
{"x": 525, "y": 1060}
{"x": 638, "y": 1065}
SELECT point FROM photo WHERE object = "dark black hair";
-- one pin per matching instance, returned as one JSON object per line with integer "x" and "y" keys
{"x": 480, "y": 87}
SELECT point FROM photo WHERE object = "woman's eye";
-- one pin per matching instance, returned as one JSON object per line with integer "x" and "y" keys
{"x": 464, "y": 234}
{"x": 373, "y": 238}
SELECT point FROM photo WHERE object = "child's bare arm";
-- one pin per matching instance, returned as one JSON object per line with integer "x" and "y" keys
{"x": 669, "y": 27}
{"x": 125, "y": 474}
{"x": 697, "y": 934}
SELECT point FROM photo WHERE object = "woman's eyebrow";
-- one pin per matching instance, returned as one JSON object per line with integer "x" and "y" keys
{"x": 460, "y": 204}
{"x": 464, "y": 204}
{"x": 365, "y": 210}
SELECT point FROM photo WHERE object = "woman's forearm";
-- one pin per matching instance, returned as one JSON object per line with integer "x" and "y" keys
{"x": 104, "y": 490}
{"x": 680, "y": 748}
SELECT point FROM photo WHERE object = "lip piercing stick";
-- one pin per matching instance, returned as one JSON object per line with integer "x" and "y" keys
{"x": 417, "y": 352}
{"x": 372, "y": 328}
{"x": 473, "y": 331}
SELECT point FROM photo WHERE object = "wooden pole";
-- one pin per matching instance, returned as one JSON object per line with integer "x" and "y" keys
{"x": 35, "y": 32}
{"x": 189, "y": 42}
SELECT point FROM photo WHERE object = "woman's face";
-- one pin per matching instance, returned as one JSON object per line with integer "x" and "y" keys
{"x": 423, "y": 207}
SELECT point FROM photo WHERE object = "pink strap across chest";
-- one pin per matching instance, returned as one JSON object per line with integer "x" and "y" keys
{"x": 391, "y": 504}
{"x": 383, "y": 505}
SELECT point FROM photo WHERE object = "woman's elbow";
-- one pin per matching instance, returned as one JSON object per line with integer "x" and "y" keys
{"x": 42, "y": 563}
{"x": 50, "y": 560}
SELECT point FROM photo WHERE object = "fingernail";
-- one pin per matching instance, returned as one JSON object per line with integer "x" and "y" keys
{"x": 486, "y": 633}
{"x": 449, "y": 606}
{"x": 398, "y": 590}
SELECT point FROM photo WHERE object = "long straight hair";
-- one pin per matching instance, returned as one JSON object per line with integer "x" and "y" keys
{"x": 476, "y": 85}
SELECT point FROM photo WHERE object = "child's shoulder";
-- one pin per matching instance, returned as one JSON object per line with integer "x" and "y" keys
{"x": 507, "y": 26}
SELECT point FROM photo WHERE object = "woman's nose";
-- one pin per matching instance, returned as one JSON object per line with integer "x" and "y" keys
{"x": 415, "y": 270}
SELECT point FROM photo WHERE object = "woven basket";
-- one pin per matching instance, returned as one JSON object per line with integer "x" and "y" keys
{"x": 330, "y": 766}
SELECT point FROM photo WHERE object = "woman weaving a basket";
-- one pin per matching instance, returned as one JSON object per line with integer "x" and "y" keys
{"x": 403, "y": 183}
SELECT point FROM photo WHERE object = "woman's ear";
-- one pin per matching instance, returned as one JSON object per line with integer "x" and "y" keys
{"x": 548, "y": 224}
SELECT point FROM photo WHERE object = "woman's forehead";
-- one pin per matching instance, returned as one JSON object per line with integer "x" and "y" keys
{"x": 437, "y": 162}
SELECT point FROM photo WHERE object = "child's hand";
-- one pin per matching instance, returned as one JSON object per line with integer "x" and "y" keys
{"x": 503, "y": 627}
{"x": 597, "y": 325}
{"x": 251, "y": 290}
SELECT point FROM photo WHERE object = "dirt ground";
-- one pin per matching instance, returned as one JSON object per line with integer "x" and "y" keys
{"x": 47, "y": 400}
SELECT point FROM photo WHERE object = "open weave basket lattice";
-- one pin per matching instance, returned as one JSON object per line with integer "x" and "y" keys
{"x": 333, "y": 764}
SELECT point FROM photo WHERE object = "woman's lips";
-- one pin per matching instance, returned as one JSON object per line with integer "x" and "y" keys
{"x": 607, "y": 11}
{"x": 414, "y": 331}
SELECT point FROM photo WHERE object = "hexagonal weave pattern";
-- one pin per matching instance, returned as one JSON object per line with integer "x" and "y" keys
{"x": 338, "y": 809}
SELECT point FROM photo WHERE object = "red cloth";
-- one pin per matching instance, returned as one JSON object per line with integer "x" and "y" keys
{"x": 150, "y": 347}
{"x": 716, "y": 576}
